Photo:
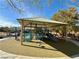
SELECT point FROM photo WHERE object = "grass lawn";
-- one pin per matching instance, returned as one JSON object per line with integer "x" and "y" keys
{"x": 59, "y": 49}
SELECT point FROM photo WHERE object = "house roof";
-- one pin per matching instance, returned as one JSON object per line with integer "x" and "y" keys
{"x": 39, "y": 20}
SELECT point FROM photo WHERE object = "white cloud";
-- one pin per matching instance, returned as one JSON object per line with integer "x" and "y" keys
{"x": 27, "y": 14}
{"x": 5, "y": 22}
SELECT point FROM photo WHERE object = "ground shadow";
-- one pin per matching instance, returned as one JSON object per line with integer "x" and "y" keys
{"x": 41, "y": 47}
{"x": 65, "y": 47}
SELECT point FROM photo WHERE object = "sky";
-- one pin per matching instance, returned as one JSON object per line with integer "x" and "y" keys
{"x": 8, "y": 15}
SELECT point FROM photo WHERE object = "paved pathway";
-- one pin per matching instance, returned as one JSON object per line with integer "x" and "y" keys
{"x": 4, "y": 39}
{"x": 4, "y": 55}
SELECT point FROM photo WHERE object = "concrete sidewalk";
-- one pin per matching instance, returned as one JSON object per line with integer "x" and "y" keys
{"x": 4, "y": 55}
{"x": 6, "y": 38}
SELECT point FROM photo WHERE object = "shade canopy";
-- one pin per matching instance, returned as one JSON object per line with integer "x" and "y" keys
{"x": 39, "y": 21}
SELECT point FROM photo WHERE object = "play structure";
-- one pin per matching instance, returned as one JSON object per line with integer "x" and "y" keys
{"x": 37, "y": 28}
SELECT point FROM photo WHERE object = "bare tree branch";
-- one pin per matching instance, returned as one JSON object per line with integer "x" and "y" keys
{"x": 10, "y": 2}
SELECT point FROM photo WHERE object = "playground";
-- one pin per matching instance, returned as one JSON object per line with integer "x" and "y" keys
{"x": 38, "y": 29}
{"x": 36, "y": 40}
{"x": 38, "y": 32}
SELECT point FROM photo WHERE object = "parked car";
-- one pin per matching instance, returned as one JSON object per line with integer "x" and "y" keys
{"x": 14, "y": 34}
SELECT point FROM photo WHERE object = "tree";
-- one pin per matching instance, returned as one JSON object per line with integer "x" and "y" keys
{"x": 18, "y": 4}
{"x": 67, "y": 16}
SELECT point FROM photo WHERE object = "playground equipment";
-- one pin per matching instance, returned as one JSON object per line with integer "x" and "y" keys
{"x": 38, "y": 25}
{"x": 27, "y": 35}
